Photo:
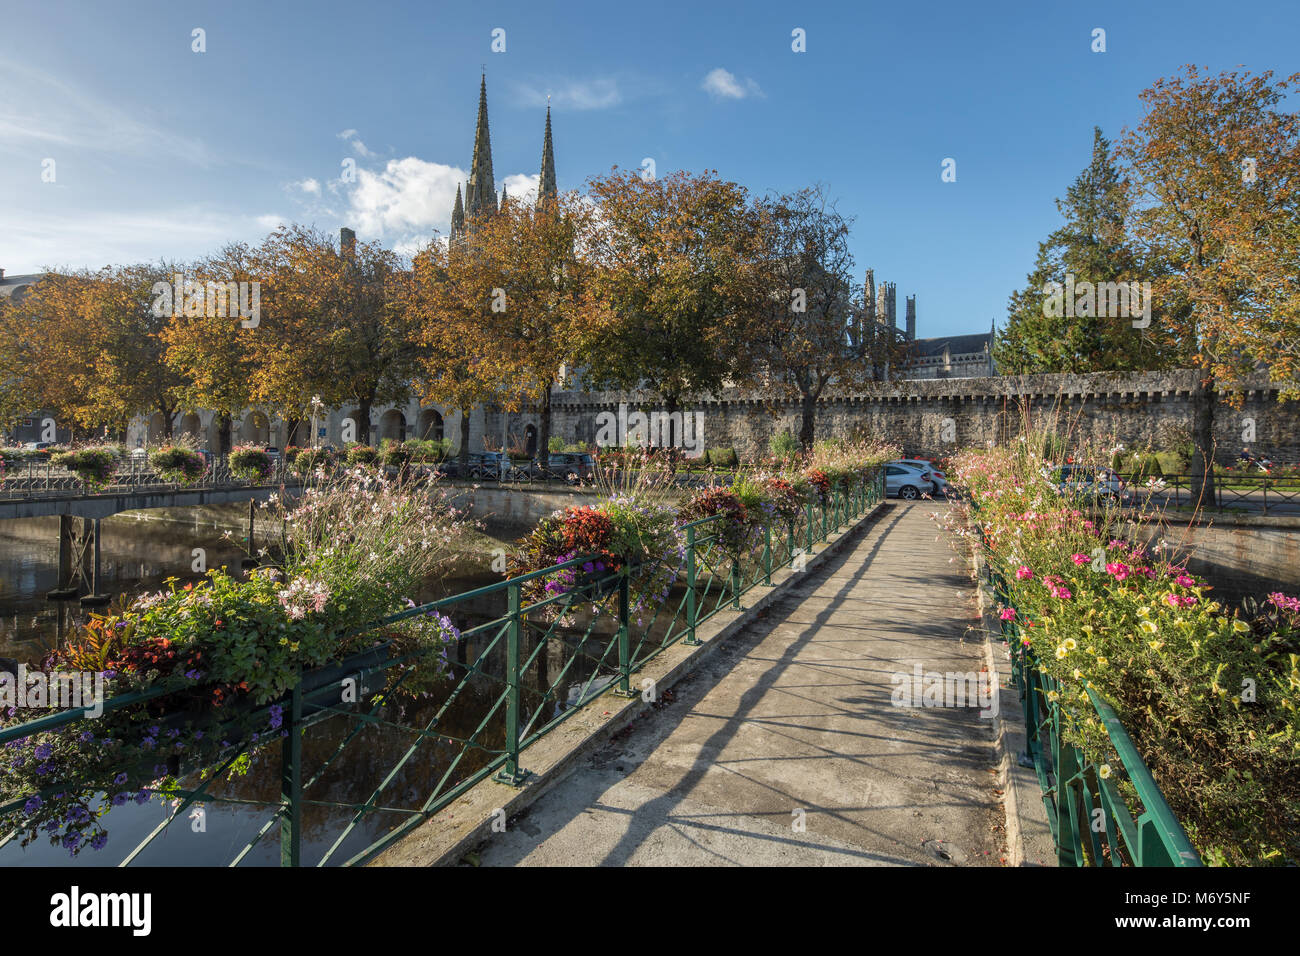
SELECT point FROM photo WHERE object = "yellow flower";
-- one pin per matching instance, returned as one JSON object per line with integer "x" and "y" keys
{"x": 1240, "y": 626}
{"x": 1077, "y": 674}
{"x": 1052, "y": 695}
{"x": 1144, "y": 611}
{"x": 1087, "y": 629}
{"x": 1155, "y": 645}
{"x": 1069, "y": 643}
{"x": 1061, "y": 652}
{"x": 1150, "y": 627}
{"x": 1101, "y": 661}
{"x": 1103, "y": 771}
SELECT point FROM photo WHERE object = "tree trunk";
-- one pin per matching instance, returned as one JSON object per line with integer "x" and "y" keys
{"x": 674, "y": 403}
{"x": 223, "y": 434}
{"x": 544, "y": 433}
{"x": 463, "y": 453}
{"x": 1203, "y": 399}
{"x": 363, "y": 426}
{"x": 808, "y": 424}
{"x": 291, "y": 427}
{"x": 168, "y": 424}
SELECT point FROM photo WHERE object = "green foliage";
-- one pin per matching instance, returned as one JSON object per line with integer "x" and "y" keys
{"x": 251, "y": 464}
{"x": 1092, "y": 247}
{"x": 362, "y": 455}
{"x": 178, "y": 463}
{"x": 723, "y": 457}
{"x": 94, "y": 466}
{"x": 783, "y": 446}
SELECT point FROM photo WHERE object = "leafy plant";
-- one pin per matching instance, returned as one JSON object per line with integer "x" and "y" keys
{"x": 178, "y": 463}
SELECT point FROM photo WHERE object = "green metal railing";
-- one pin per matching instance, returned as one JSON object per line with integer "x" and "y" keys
{"x": 354, "y": 777}
{"x": 1093, "y": 822}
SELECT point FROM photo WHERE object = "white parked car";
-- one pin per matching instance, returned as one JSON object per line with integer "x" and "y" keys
{"x": 1090, "y": 482}
{"x": 939, "y": 484}
{"x": 907, "y": 481}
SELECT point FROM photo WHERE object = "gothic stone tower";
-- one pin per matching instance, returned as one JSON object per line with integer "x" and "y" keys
{"x": 480, "y": 191}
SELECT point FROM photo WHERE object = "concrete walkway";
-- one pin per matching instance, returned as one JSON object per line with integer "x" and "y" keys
{"x": 785, "y": 749}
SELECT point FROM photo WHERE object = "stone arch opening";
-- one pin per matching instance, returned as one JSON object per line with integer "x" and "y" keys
{"x": 392, "y": 425}
{"x": 431, "y": 424}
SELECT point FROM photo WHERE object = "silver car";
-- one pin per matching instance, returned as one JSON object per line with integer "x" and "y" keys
{"x": 907, "y": 481}
{"x": 938, "y": 482}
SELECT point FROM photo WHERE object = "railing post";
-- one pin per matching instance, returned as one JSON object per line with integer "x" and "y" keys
{"x": 624, "y": 688}
{"x": 735, "y": 582}
{"x": 692, "y": 614}
{"x": 811, "y": 520}
{"x": 767, "y": 554}
{"x": 510, "y": 773}
{"x": 291, "y": 780}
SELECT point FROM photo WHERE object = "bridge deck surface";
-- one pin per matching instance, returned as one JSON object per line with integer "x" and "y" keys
{"x": 795, "y": 714}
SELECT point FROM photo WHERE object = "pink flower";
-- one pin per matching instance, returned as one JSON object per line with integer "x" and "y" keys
{"x": 1118, "y": 570}
{"x": 1062, "y": 592}
{"x": 1080, "y": 559}
{"x": 1008, "y": 614}
{"x": 1185, "y": 580}
{"x": 1023, "y": 573}
{"x": 1284, "y": 603}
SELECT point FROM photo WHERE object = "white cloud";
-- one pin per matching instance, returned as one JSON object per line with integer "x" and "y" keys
{"x": 522, "y": 186}
{"x": 595, "y": 94}
{"x": 309, "y": 186}
{"x": 271, "y": 221}
{"x": 350, "y": 137}
{"x": 407, "y": 195}
{"x": 724, "y": 85}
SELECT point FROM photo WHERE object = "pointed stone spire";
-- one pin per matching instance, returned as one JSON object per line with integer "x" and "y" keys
{"x": 457, "y": 215}
{"x": 504, "y": 195}
{"x": 481, "y": 192}
{"x": 546, "y": 186}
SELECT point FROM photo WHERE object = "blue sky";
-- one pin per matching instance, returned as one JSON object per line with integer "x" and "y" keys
{"x": 162, "y": 152}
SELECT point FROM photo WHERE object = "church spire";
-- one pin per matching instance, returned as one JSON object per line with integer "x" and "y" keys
{"x": 481, "y": 192}
{"x": 546, "y": 186}
{"x": 457, "y": 215}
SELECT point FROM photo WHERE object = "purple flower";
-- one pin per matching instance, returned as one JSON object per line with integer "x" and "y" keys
{"x": 86, "y": 736}
{"x": 142, "y": 796}
{"x": 43, "y": 751}
{"x": 277, "y": 716}
{"x": 120, "y": 778}
{"x": 98, "y": 840}
{"x": 32, "y": 805}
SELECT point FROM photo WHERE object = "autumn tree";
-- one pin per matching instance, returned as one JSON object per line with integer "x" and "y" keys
{"x": 210, "y": 343}
{"x": 90, "y": 346}
{"x": 671, "y": 259}
{"x": 333, "y": 324}
{"x": 47, "y": 351}
{"x": 465, "y": 358}
{"x": 1214, "y": 168}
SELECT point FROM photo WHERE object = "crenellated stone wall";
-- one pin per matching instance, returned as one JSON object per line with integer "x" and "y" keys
{"x": 933, "y": 417}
